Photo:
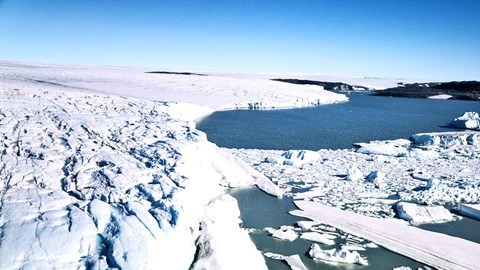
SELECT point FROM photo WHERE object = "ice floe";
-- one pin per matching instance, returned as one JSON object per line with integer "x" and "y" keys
{"x": 325, "y": 239}
{"x": 419, "y": 214}
{"x": 395, "y": 148}
{"x": 284, "y": 233}
{"x": 447, "y": 138}
{"x": 297, "y": 157}
{"x": 354, "y": 174}
{"x": 444, "y": 172}
{"x": 435, "y": 249}
{"x": 469, "y": 120}
{"x": 295, "y": 262}
{"x": 336, "y": 255}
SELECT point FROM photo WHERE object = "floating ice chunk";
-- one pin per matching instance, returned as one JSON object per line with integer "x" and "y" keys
{"x": 377, "y": 178}
{"x": 383, "y": 149}
{"x": 314, "y": 192}
{"x": 402, "y": 268}
{"x": 336, "y": 256}
{"x": 432, "y": 183}
{"x": 446, "y": 138}
{"x": 297, "y": 157}
{"x": 283, "y": 233}
{"x": 354, "y": 174}
{"x": 426, "y": 154}
{"x": 275, "y": 160}
{"x": 353, "y": 247}
{"x": 469, "y": 120}
{"x": 421, "y": 176}
{"x": 423, "y": 214}
{"x": 274, "y": 256}
{"x": 325, "y": 239}
{"x": 371, "y": 245}
{"x": 306, "y": 225}
{"x": 448, "y": 155}
{"x": 295, "y": 262}
{"x": 425, "y": 139}
{"x": 394, "y": 148}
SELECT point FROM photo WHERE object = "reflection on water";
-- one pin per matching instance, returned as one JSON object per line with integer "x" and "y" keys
{"x": 363, "y": 118}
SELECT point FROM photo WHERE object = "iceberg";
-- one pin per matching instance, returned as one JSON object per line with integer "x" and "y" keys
{"x": 284, "y": 233}
{"x": 298, "y": 157}
{"x": 295, "y": 262}
{"x": 448, "y": 139}
{"x": 396, "y": 148}
{"x": 336, "y": 255}
{"x": 325, "y": 239}
{"x": 469, "y": 120}
{"x": 418, "y": 214}
{"x": 377, "y": 178}
{"x": 354, "y": 174}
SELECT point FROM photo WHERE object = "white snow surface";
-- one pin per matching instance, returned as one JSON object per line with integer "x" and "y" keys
{"x": 213, "y": 92}
{"x": 221, "y": 247}
{"x": 295, "y": 262}
{"x": 447, "y": 138}
{"x": 469, "y": 120}
{"x": 336, "y": 255}
{"x": 435, "y": 249}
{"x": 92, "y": 181}
{"x": 284, "y": 233}
{"x": 419, "y": 214}
{"x": 440, "y": 96}
{"x": 325, "y": 239}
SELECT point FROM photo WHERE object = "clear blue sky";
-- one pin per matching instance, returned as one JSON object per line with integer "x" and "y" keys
{"x": 431, "y": 39}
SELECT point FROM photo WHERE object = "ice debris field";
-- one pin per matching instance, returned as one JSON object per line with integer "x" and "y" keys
{"x": 102, "y": 168}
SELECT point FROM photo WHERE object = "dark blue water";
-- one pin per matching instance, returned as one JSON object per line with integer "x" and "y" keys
{"x": 268, "y": 211}
{"x": 335, "y": 126}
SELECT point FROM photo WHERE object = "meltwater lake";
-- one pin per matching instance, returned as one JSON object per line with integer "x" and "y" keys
{"x": 335, "y": 126}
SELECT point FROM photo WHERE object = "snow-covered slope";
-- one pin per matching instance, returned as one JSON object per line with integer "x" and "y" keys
{"x": 92, "y": 181}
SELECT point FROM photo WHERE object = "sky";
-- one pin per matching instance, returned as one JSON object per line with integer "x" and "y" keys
{"x": 425, "y": 39}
